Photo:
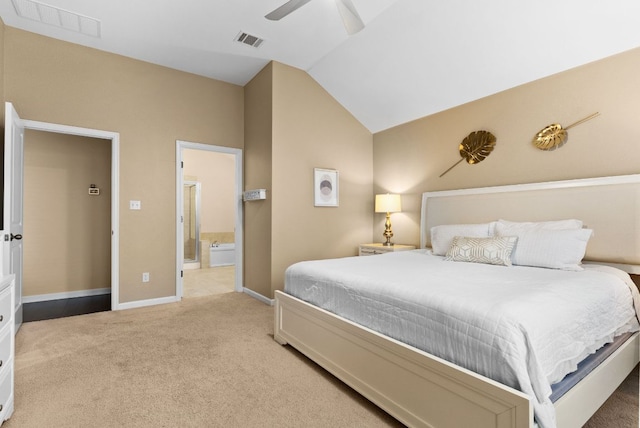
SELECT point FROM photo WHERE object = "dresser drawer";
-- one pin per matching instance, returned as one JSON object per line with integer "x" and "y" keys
{"x": 6, "y": 394}
{"x": 5, "y": 349}
{"x": 6, "y": 308}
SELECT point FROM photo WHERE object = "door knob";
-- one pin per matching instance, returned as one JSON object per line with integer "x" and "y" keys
{"x": 17, "y": 236}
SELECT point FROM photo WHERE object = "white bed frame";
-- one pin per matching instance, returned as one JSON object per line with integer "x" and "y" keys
{"x": 421, "y": 390}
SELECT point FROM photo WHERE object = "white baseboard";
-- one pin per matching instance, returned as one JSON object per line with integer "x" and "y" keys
{"x": 173, "y": 299}
{"x": 149, "y": 302}
{"x": 258, "y": 296}
{"x": 127, "y": 305}
{"x": 65, "y": 295}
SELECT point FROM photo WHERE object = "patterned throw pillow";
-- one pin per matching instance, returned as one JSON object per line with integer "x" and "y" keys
{"x": 494, "y": 251}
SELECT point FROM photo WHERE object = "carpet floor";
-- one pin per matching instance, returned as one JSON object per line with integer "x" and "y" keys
{"x": 204, "y": 362}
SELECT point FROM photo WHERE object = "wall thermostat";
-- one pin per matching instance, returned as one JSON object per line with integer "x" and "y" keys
{"x": 94, "y": 190}
{"x": 254, "y": 195}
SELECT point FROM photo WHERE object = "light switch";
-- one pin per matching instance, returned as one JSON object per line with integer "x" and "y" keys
{"x": 254, "y": 195}
{"x": 135, "y": 205}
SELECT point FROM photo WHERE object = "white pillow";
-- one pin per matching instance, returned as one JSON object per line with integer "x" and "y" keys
{"x": 555, "y": 249}
{"x": 504, "y": 227}
{"x": 494, "y": 250}
{"x": 442, "y": 236}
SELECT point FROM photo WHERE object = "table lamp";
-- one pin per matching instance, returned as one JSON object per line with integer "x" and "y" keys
{"x": 388, "y": 203}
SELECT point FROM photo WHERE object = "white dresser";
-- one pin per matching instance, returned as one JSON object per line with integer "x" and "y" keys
{"x": 7, "y": 346}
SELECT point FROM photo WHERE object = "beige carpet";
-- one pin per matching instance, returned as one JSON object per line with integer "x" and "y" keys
{"x": 621, "y": 409}
{"x": 204, "y": 362}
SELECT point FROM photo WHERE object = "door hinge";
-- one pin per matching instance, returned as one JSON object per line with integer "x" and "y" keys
{"x": 181, "y": 274}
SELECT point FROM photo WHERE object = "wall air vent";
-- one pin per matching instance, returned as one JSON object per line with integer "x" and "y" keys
{"x": 55, "y": 16}
{"x": 248, "y": 39}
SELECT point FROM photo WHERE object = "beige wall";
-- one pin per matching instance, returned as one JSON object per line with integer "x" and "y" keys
{"x": 312, "y": 130}
{"x": 151, "y": 107}
{"x": 216, "y": 174}
{"x": 2, "y": 29}
{"x": 409, "y": 158}
{"x": 257, "y": 175}
{"x": 67, "y": 232}
{"x": 293, "y": 126}
{"x": 288, "y": 125}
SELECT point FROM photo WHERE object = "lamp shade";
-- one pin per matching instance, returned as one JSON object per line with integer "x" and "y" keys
{"x": 388, "y": 203}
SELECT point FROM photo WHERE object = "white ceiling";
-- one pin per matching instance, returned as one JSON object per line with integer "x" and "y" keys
{"x": 414, "y": 57}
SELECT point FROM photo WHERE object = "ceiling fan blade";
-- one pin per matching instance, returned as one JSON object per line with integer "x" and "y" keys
{"x": 352, "y": 21}
{"x": 286, "y": 9}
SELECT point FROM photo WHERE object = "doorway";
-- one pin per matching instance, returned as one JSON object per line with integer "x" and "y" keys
{"x": 113, "y": 139}
{"x": 209, "y": 219}
{"x": 67, "y": 225}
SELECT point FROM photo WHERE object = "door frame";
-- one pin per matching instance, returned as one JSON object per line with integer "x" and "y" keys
{"x": 115, "y": 190}
{"x": 180, "y": 146}
{"x": 196, "y": 184}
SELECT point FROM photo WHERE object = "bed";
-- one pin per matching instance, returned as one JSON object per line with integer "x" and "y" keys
{"x": 418, "y": 387}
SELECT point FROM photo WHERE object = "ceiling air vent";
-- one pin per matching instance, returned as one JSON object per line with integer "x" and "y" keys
{"x": 58, "y": 17}
{"x": 248, "y": 39}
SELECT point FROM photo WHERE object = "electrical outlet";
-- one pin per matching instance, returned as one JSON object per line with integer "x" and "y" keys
{"x": 145, "y": 277}
{"x": 135, "y": 205}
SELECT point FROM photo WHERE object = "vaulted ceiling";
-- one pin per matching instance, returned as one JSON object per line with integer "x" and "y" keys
{"x": 412, "y": 59}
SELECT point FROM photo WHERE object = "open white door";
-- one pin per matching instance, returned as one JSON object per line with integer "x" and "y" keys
{"x": 12, "y": 209}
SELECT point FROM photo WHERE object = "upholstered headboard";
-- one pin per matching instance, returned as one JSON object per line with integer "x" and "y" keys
{"x": 608, "y": 205}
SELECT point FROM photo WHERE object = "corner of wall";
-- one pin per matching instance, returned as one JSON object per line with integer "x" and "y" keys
{"x": 311, "y": 129}
{"x": 258, "y": 126}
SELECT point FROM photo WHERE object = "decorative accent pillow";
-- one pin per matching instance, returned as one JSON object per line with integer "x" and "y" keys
{"x": 494, "y": 250}
{"x": 554, "y": 249}
{"x": 442, "y": 236}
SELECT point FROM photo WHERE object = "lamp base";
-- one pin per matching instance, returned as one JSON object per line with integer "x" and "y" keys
{"x": 387, "y": 231}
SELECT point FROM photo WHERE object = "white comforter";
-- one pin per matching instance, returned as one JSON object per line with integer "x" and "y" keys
{"x": 522, "y": 326}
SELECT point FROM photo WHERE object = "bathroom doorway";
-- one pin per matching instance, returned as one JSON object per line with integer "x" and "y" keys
{"x": 209, "y": 220}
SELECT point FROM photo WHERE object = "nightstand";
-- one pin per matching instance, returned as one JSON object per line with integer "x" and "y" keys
{"x": 373, "y": 249}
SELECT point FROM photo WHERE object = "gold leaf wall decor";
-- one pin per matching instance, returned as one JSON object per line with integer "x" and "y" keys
{"x": 554, "y": 136}
{"x": 475, "y": 148}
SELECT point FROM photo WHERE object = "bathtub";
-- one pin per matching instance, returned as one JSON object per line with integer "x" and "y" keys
{"x": 222, "y": 255}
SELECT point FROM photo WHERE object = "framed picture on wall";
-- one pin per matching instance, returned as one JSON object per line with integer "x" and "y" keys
{"x": 325, "y": 187}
